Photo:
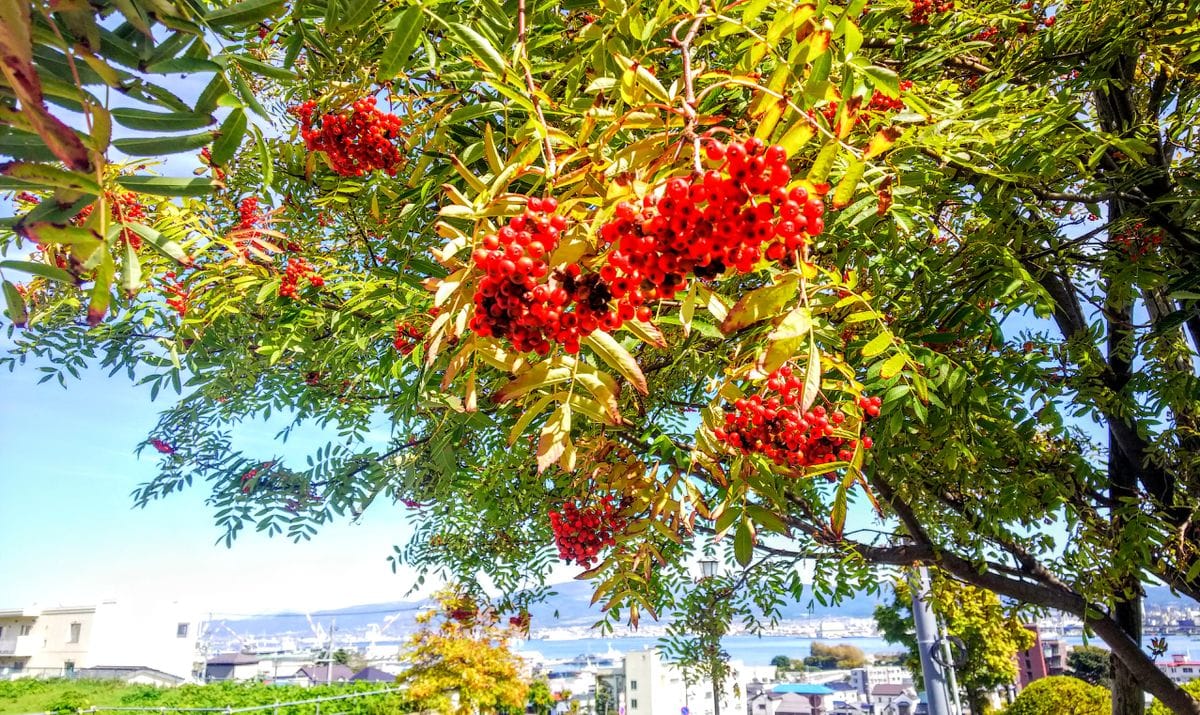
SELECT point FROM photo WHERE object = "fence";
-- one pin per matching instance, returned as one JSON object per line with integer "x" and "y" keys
{"x": 274, "y": 707}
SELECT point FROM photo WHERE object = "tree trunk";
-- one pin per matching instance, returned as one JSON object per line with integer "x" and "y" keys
{"x": 1128, "y": 697}
{"x": 978, "y": 702}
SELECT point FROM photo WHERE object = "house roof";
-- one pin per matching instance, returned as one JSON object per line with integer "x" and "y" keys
{"x": 233, "y": 659}
{"x": 802, "y": 689}
{"x": 123, "y": 672}
{"x": 895, "y": 689}
{"x": 374, "y": 675}
{"x": 320, "y": 673}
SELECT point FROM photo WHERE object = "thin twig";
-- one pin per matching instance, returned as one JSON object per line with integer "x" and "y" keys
{"x": 689, "y": 86}
{"x": 547, "y": 147}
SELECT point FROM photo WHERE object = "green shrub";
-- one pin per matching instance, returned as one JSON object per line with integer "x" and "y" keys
{"x": 1061, "y": 695}
{"x": 1157, "y": 708}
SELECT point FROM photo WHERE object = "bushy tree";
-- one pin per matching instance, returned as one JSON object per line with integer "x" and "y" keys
{"x": 953, "y": 303}
{"x": 459, "y": 661}
{"x": 1090, "y": 663}
{"x": 991, "y": 634}
{"x": 828, "y": 657}
{"x": 1061, "y": 695}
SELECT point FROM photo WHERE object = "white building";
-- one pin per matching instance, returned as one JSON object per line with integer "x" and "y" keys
{"x": 646, "y": 685}
{"x": 69, "y": 641}
{"x": 893, "y": 699}
{"x": 864, "y": 679}
{"x": 1181, "y": 668}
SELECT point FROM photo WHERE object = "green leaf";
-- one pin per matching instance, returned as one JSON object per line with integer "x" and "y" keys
{"x": 157, "y": 146}
{"x": 884, "y": 79}
{"x": 16, "y": 305}
{"x": 170, "y": 249}
{"x": 229, "y": 137}
{"x": 167, "y": 185}
{"x": 44, "y": 270}
{"x": 160, "y": 121}
{"x": 131, "y": 270}
{"x": 877, "y": 345}
{"x": 400, "y": 45}
{"x": 101, "y": 293}
{"x": 821, "y": 166}
{"x": 46, "y": 175}
{"x": 480, "y": 47}
{"x": 46, "y": 232}
{"x": 183, "y": 65}
{"x": 358, "y": 12}
{"x": 244, "y": 13}
{"x": 760, "y": 304}
{"x": 837, "y": 515}
{"x": 262, "y": 68}
{"x": 767, "y": 518}
{"x": 743, "y": 543}
{"x": 845, "y": 188}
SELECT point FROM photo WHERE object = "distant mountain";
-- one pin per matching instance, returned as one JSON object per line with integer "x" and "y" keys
{"x": 569, "y": 606}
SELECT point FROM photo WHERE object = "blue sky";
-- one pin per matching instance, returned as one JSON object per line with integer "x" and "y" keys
{"x": 70, "y": 533}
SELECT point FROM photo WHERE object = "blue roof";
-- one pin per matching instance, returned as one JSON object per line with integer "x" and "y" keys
{"x": 802, "y": 689}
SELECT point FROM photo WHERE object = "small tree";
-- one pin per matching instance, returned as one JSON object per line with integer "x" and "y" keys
{"x": 782, "y": 662}
{"x": 1061, "y": 695}
{"x": 541, "y": 701}
{"x": 1091, "y": 663}
{"x": 466, "y": 653}
{"x": 828, "y": 657}
{"x": 992, "y": 635}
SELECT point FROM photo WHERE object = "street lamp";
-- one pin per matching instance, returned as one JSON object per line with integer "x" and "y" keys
{"x": 708, "y": 571}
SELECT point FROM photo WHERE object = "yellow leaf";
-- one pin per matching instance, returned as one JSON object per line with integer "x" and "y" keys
{"x": 882, "y": 141}
{"x": 812, "y": 377}
{"x": 556, "y": 435}
{"x": 786, "y": 339}
{"x": 647, "y": 332}
{"x": 617, "y": 357}
{"x": 877, "y": 345}
{"x": 760, "y": 304}
{"x": 797, "y": 135}
{"x": 526, "y": 417}
{"x": 892, "y": 366}
{"x": 819, "y": 170}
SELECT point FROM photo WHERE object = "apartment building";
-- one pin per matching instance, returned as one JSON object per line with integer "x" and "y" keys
{"x": 1181, "y": 669}
{"x": 1047, "y": 656}
{"x": 652, "y": 686}
{"x": 108, "y": 635}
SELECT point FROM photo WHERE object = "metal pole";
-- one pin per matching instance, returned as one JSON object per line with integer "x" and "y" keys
{"x": 329, "y": 663}
{"x": 951, "y": 675}
{"x": 926, "y": 632}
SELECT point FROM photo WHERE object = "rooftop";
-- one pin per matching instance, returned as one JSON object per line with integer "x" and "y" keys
{"x": 802, "y": 689}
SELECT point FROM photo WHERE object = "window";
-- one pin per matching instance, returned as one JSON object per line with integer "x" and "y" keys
{"x": 633, "y": 685}
{"x": 181, "y": 630}
{"x": 75, "y": 630}
{"x": 1, "y": 631}
{"x": 633, "y": 704}
{"x": 26, "y": 629}
{"x": 69, "y": 667}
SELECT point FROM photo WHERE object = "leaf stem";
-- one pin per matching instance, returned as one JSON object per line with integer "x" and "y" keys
{"x": 547, "y": 147}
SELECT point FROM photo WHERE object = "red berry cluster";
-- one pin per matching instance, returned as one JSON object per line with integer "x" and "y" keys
{"x": 206, "y": 159}
{"x": 162, "y": 446}
{"x": 28, "y": 198}
{"x": 298, "y": 269}
{"x": 581, "y": 532}
{"x": 520, "y": 621}
{"x": 124, "y": 207}
{"x": 880, "y": 102}
{"x": 179, "y": 295}
{"x": 1138, "y": 241}
{"x": 987, "y": 33}
{"x": 358, "y": 141}
{"x": 407, "y": 337}
{"x": 521, "y": 300}
{"x": 922, "y": 9}
{"x": 772, "y": 423}
{"x": 702, "y": 226}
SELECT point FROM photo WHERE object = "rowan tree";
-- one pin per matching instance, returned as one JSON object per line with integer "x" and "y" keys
{"x": 828, "y": 283}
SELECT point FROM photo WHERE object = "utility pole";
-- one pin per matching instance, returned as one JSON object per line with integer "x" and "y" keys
{"x": 927, "y": 640}
{"x": 329, "y": 653}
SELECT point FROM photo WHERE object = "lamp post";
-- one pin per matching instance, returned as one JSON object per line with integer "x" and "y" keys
{"x": 708, "y": 570}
